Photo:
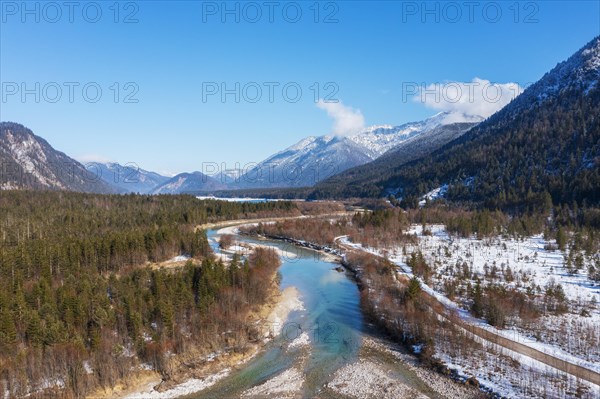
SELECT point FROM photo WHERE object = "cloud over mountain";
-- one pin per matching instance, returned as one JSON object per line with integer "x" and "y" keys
{"x": 347, "y": 121}
{"x": 478, "y": 97}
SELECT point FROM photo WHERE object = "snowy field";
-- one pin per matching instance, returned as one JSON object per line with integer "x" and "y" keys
{"x": 526, "y": 266}
{"x": 532, "y": 269}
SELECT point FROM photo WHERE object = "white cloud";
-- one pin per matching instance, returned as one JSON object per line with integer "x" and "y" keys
{"x": 87, "y": 158}
{"x": 347, "y": 121}
{"x": 167, "y": 173}
{"x": 467, "y": 99}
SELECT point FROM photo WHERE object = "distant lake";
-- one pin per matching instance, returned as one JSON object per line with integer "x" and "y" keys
{"x": 240, "y": 199}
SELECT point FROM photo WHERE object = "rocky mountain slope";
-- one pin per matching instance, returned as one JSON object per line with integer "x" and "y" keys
{"x": 29, "y": 162}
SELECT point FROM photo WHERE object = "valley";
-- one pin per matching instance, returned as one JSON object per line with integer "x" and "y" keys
{"x": 324, "y": 348}
{"x": 414, "y": 214}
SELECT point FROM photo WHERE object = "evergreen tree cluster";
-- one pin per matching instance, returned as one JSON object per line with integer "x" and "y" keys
{"x": 77, "y": 303}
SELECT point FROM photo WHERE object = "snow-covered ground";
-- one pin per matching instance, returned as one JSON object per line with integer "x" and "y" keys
{"x": 434, "y": 194}
{"x": 179, "y": 258}
{"x": 240, "y": 199}
{"x": 573, "y": 336}
{"x": 531, "y": 266}
{"x": 528, "y": 260}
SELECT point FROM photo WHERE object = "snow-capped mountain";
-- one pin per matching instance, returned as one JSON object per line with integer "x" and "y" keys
{"x": 307, "y": 162}
{"x": 381, "y": 139}
{"x": 544, "y": 143}
{"x": 29, "y": 162}
{"x": 317, "y": 158}
{"x": 128, "y": 178}
{"x": 195, "y": 182}
{"x": 358, "y": 181}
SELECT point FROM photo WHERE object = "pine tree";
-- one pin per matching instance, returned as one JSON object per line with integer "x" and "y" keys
{"x": 414, "y": 289}
{"x": 561, "y": 239}
{"x": 34, "y": 332}
{"x": 8, "y": 331}
{"x": 478, "y": 305}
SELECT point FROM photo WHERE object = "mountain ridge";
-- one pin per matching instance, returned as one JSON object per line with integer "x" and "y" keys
{"x": 359, "y": 181}
{"x": 29, "y": 162}
{"x": 546, "y": 142}
{"x": 128, "y": 178}
{"x": 317, "y": 158}
{"x": 188, "y": 182}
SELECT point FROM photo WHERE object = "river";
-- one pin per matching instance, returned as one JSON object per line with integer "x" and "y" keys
{"x": 331, "y": 319}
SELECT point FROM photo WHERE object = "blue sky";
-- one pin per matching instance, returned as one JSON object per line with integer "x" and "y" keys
{"x": 156, "y": 71}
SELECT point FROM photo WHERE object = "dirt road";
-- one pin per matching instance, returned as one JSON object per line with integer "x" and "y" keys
{"x": 557, "y": 363}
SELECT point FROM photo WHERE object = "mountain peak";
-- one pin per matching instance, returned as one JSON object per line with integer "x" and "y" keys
{"x": 579, "y": 71}
{"x": 29, "y": 162}
{"x": 128, "y": 178}
{"x": 591, "y": 55}
{"x": 582, "y": 66}
{"x": 188, "y": 182}
{"x": 381, "y": 139}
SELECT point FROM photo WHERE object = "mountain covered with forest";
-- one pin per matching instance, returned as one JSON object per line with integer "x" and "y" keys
{"x": 544, "y": 143}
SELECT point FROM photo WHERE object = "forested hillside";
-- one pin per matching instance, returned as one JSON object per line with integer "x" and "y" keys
{"x": 77, "y": 310}
{"x": 546, "y": 141}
